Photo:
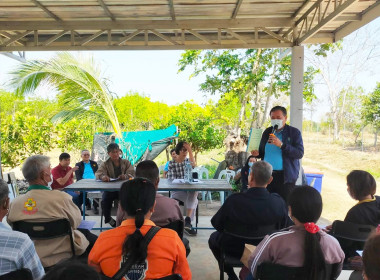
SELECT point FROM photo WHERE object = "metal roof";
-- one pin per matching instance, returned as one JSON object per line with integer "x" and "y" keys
{"x": 27, "y": 25}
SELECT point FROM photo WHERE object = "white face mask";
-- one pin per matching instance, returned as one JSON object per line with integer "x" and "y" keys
{"x": 277, "y": 122}
{"x": 250, "y": 164}
{"x": 51, "y": 182}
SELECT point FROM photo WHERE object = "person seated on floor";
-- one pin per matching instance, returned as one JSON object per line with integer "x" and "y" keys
{"x": 63, "y": 177}
{"x": 16, "y": 249}
{"x": 71, "y": 270}
{"x": 371, "y": 259}
{"x": 361, "y": 186}
{"x": 41, "y": 204}
{"x": 301, "y": 245}
{"x": 254, "y": 208}
{"x": 176, "y": 170}
{"x": 165, "y": 254}
{"x": 113, "y": 168}
{"x": 86, "y": 170}
{"x": 166, "y": 210}
{"x": 166, "y": 168}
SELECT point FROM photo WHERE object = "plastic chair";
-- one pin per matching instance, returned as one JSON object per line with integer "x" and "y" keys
{"x": 23, "y": 273}
{"x": 46, "y": 230}
{"x": 227, "y": 174}
{"x": 271, "y": 271}
{"x": 250, "y": 234}
{"x": 203, "y": 172}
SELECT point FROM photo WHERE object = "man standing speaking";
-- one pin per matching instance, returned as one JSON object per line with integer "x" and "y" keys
{"x": 281, "y": 145}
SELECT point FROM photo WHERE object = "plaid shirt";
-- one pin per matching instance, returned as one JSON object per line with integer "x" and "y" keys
{"x": 176, "y": 170}
{"x": 17, "y": 251}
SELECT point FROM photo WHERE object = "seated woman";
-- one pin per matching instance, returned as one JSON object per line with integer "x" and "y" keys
{"x": 301, "y": 245}
{"x": 361, "y": 186}
{"x": 165, "y": 254}
{"x": 371, "y": 260}
{"x": 245, "y": 172}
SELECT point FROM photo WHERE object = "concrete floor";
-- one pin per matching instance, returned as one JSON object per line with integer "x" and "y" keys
{"x": 202, "y": 262}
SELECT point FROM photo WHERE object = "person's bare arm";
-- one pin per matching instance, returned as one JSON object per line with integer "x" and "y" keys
{"x": 191, "y": 157}
{"x": 63, "y": 180}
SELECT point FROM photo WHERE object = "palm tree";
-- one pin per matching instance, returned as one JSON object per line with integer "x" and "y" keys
{"x": 83, "y": 90}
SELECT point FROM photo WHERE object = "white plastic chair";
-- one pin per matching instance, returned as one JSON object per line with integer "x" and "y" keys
{"x": 201, "y": 170}
{"x": 226, "y": 174}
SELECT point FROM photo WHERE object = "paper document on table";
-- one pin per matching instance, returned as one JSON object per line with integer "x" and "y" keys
{"x": 254, "y": 139}
{"x": 111, "y": 180}
{"x": 87, "y": 224}
{"x": 178, "y": 181}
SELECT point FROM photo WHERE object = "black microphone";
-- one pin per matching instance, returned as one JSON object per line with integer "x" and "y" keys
{"x": 275, "y": 127}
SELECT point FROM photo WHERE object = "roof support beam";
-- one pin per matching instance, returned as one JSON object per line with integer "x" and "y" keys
{"x": 90, "y": 38}
{"x": 339, "y": 9}
{"x": 367, "y": 16}
{"x": 163, "y": 37}
{"x": 237, "y": 36}
{"x": 16, "y": 38}
{"x": 106, "y": 10}
{"x": 237, "y": 8}
{"x": 20, "y": 57}
{"x": 127, "y": 38}
{"x": 275, "y": 35}
{"x": 55, "y": 37}
{"x": 171, "y": 7}
{"x": 203, "y": 38}
{"x": 146, "y": 24}
{"x": 42, "y": 7}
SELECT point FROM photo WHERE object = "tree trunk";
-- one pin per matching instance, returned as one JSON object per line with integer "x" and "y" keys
{"x": 244, "y": 100}
{"x": 375, "y": 143}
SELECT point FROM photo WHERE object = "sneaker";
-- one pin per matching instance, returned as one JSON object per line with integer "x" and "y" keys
{"x": 111, "y": 222}
{"x": 190, "y": 230}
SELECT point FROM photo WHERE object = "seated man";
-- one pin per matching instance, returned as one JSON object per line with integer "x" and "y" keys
{"x": 63, "y": 176}
{"x": 42, "y": 204}
{"x": 255, "y": 207}
{"x": 166, "y": 168}
{"x": 167, "y": 209}
{"x": 86, "y": 170}
{"x": 114, "y": 167}
{"x": 16, "y": 249}
{"x": 176, "y": 170}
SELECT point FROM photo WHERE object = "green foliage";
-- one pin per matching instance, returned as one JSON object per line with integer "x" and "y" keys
{"x": 197, "y": 127}
{"x": 371, "y": 108}
{"x": 138, "y": 112}
{"x": 22, "y": 135}
{"x": 83, "y": 92}
{"x": 324, "y": 49}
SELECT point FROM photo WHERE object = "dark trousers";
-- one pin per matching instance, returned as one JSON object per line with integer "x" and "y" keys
{"x": 215, "y": 243}
{"x": 91, "y": 239}
{"x": 107, "y": 199}
{"x": 278, "y": 186}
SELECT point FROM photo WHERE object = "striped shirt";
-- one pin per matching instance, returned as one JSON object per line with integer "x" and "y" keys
{"x": 17, "y": 251}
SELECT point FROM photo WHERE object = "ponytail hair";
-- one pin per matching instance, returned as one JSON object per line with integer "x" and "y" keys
{"x": 136, "y": 197}
{"x": 306, "y": 207}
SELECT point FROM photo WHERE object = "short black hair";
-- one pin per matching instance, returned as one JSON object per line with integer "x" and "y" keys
{"x": 112, "y": 146}
{"x": 361, "y": 184}
{"x": 179, "y": 147}
{"x": 148, "y": 169}
{"x": 279, "y": 108}
{"x": 172, "y": 150}
{"x": 371, "y": 260}
{"x": 64, "y": 156}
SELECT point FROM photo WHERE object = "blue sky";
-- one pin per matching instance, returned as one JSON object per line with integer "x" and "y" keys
{"x": 155, "y": 74}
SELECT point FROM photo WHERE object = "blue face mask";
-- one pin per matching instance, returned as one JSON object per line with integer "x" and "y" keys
{"x": 250, "y": 164}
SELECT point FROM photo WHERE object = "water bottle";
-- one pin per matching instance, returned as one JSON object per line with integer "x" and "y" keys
{"x": 188, "y": 176}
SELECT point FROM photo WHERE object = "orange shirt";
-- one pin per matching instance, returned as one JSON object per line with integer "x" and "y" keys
{"x": 166, "y": 252}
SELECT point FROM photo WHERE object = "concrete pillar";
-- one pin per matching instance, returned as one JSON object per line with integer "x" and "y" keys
{"x": 296, "y": 88}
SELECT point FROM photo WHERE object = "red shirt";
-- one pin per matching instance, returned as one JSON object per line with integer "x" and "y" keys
{"x": 59, "y": 172}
